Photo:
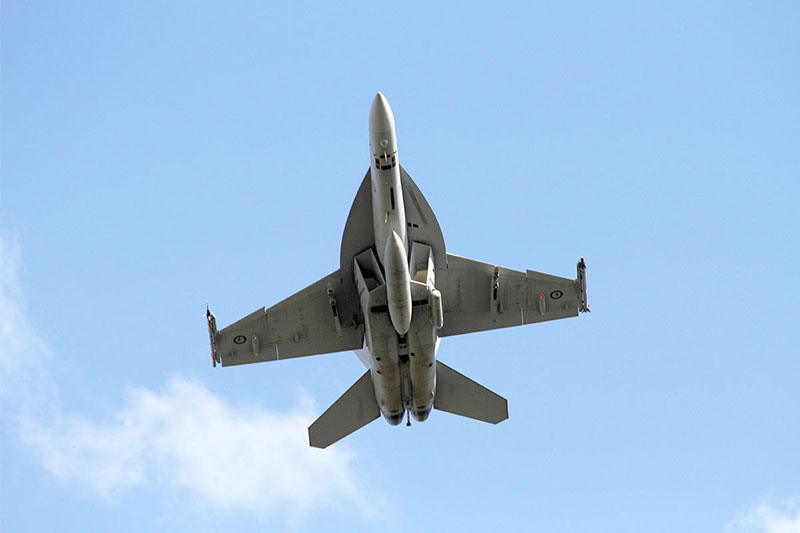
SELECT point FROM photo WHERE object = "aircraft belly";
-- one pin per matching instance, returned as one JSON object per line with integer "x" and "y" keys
{"x": 387, "y": 383}
{"x": 388, "y": 208}
{"x": 422, "y": 363}
{"x": 385, "y": 368}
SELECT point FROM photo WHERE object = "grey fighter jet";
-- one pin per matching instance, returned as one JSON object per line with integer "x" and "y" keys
{"x": 396, "y": 293}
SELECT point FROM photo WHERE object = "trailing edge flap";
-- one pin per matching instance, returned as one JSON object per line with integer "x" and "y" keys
{"x": 460, "y": 395}
{"x": 353, "y": 410}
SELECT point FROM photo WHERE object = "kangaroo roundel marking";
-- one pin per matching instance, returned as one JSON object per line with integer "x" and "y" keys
{"x": 555, "y": 295}
{"x": 240, "y": 339}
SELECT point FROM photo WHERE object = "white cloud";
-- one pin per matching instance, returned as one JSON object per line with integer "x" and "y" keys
{"x": 183, "y": 438}
{"x": 188, "y": 438}
{"x": 17, "y": 338}
{"x": 767, "y": 518}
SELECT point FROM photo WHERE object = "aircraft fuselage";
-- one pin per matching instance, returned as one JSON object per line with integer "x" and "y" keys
{"x": 395, "y": 294}
{"x": 403, "y": 348}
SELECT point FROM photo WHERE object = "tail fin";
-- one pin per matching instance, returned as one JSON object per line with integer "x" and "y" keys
{"x": 460, "y": 395}
{"x": 353, "y": 410}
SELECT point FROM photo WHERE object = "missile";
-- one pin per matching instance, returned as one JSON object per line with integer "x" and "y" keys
{"x": 398, "y": 283}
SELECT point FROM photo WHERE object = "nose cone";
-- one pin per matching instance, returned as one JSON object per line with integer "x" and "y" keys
{"x": 381, "y": 118}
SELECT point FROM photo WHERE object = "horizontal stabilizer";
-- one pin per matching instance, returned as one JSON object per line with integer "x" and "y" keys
{"x": 353, "y": 410}
{"x": 460, "y": 395}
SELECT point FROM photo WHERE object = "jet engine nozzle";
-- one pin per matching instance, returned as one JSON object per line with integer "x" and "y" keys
{"x": 398, "y": 283}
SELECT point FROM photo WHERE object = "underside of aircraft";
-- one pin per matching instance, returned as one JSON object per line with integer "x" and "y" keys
{"x": 396, "y": 294}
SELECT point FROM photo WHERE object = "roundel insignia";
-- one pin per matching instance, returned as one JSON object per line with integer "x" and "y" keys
{"x": 555, "y": 295}
{"x": 239, "y": 339}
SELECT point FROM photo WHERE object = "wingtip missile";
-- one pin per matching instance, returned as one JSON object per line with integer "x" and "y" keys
{"x": 584, "y": 299}
{"x": 212, "y": 336}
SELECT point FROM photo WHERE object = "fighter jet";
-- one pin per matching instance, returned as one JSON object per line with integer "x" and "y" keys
{"x": 396, "y": 294}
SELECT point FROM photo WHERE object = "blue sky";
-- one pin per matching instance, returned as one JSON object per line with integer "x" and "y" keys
{"x": 155, "y": 157}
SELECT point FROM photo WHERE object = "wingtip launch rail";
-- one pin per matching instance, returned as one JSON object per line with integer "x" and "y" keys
{"x": 212, "y": 336}
{"x": 581, "y": 281}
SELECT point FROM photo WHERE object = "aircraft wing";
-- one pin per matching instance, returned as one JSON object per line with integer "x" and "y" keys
{"x": 322, "y": 318}
{"x": 478, "y": 296}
